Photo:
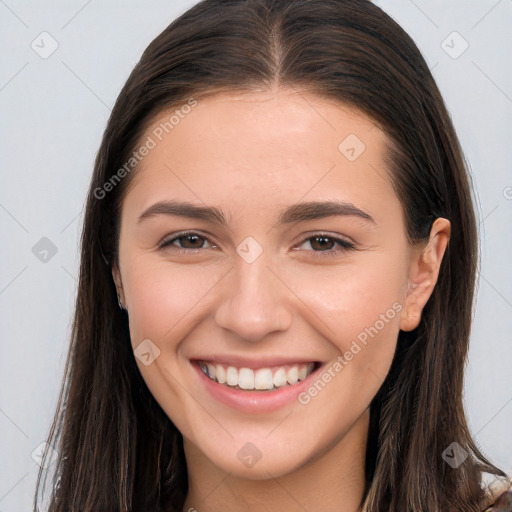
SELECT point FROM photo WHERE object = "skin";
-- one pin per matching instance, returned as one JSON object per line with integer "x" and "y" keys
{"x": 252, "y": 155}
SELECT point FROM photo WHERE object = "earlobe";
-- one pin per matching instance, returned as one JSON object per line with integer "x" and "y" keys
{"x": 411, "y": 316}
{"x": 423, "y": 273}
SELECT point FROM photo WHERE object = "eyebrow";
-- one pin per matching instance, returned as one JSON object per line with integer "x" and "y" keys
{"x": 295, "y": 213}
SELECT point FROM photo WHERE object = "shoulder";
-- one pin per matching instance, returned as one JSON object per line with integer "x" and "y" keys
{"x": 501, "y": 496}
{"x": 503, "y": 503}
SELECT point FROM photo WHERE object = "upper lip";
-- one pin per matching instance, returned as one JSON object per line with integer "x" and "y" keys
{"x": 262, "y": 362}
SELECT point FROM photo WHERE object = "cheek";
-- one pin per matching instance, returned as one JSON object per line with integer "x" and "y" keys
{"x": 359, "y": 314}
{"x": 349, "y": 298}
{"x": 161, "y": 296}
{"x": 358, "y": 308}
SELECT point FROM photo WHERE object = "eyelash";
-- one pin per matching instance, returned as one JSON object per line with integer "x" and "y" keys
{"x": 345, "y": 245}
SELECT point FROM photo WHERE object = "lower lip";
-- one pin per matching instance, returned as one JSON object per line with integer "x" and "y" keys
{"x": 255, "y": 401}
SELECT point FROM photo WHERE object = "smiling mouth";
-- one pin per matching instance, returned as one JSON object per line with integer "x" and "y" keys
{"x": 260, "y": 379}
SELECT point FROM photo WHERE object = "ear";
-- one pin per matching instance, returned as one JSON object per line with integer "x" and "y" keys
{"x": 116, "y": 274}
{"x": 423, "y": 273}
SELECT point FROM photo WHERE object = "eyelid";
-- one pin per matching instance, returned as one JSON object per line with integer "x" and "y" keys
{"x": 167, "y": 240}
{"x": 344, "y": 244}
{"x": 334, "y": 236}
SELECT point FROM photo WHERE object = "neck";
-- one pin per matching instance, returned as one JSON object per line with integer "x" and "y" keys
{"x": 331, "y": 480}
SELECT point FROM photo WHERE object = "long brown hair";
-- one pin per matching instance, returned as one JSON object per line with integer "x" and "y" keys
{"x": 117, "y": 449}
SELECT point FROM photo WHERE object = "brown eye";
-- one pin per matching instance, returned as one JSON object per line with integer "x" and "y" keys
{"x": 325, "y": 245}
{"x": 322, "y": 243}
{"x": 190, "y": 241}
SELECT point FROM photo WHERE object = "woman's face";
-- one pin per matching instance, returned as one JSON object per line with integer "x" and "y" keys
{"x": 261, "y": 239}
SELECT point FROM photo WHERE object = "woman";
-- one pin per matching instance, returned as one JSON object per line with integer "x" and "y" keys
{"x": 277, "y": 277}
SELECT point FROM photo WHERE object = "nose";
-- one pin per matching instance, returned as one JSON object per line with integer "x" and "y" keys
{"x": 255, "y": 302}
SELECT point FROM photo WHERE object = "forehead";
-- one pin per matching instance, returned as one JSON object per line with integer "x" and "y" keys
{"x": 263, "y": 149}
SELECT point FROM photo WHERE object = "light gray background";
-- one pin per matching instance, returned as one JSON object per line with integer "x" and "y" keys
{"x": 54, "y": 111}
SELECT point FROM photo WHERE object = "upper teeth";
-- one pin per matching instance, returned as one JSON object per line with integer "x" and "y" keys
{"x": 262, "y": 378}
